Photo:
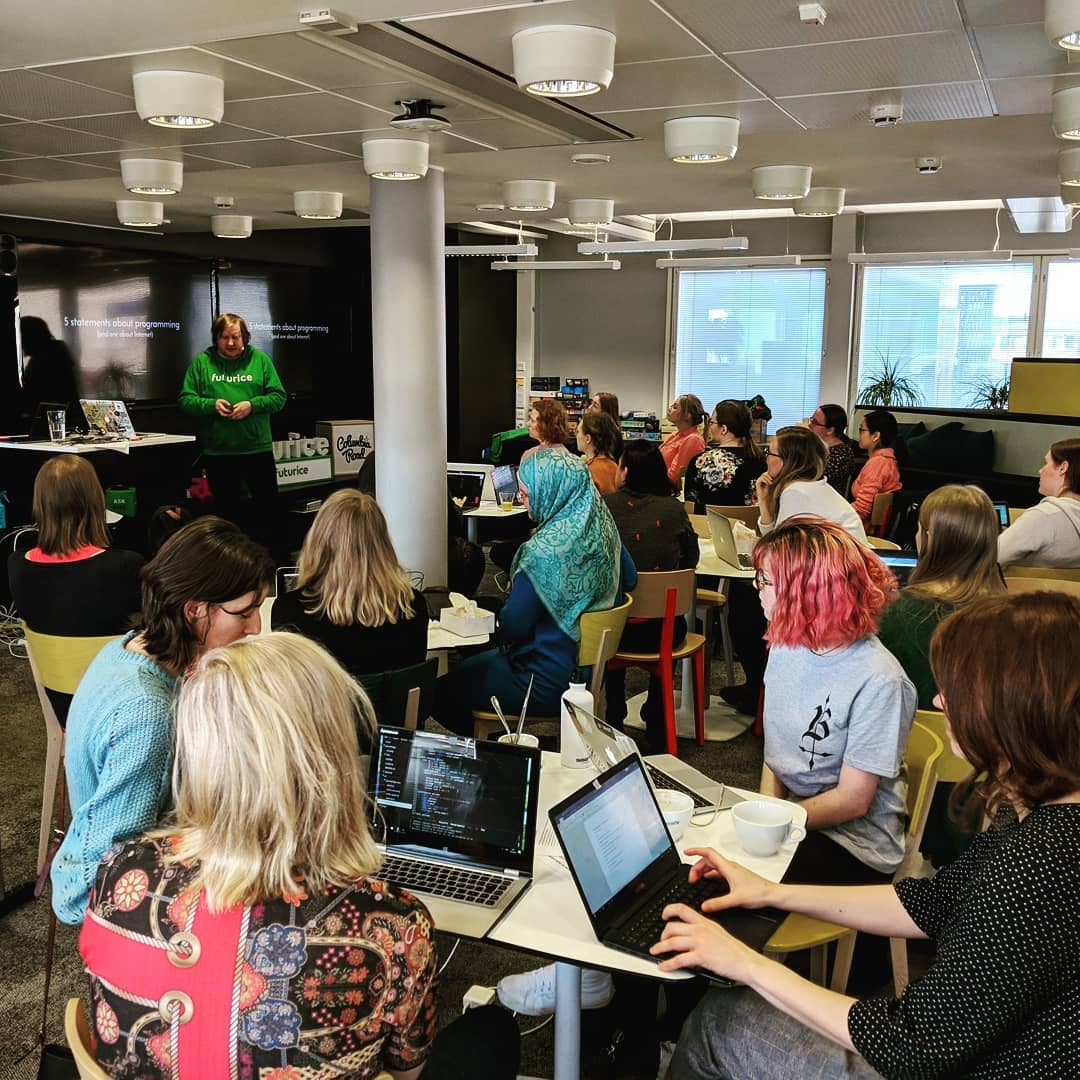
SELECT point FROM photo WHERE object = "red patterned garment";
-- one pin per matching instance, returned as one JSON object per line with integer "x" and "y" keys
{"x": 335, "y": 984}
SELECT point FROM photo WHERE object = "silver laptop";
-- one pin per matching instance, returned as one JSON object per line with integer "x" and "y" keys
{"x": 723, "y": 540}
{"x": 607, "y": 747}
{"x": 107, "y": 418}
{"x": 460, "y": 822}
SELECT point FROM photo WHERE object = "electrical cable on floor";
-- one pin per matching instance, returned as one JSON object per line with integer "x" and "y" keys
{"x": 533, "y": 1030}
{"x": 453, "y": 950}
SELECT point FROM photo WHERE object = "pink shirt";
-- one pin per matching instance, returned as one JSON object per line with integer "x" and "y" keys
{"x": 878, "y": 476}
{"x": 679, "y": 449}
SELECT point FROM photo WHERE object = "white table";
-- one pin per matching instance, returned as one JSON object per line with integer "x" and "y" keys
{"x": 122, "y": 446}
{"x": 550, "y": 918}
{"x": 488, "y": 510}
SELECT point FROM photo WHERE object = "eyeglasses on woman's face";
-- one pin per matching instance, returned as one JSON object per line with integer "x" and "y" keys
{"x": 864, "y": 430}
{"x": 772, "y": 453}
{"x": 815, "y": 422}
{"x": 761, "y": 581}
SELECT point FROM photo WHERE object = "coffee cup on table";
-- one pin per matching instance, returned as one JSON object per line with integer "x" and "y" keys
{"x": 524, "y": 739}
{"x": 763, "y": 827}
{"x": 676, "y": 806}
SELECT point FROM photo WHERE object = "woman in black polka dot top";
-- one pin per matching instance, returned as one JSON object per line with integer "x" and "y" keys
{"x": 1002, "y": 999}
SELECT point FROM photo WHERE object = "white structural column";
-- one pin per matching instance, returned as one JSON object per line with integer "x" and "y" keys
{"x": 836, "y": 374}
{"x": 408, "y": 330}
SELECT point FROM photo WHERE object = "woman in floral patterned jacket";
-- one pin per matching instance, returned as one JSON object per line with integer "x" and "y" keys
{"x": 247, "y": 936}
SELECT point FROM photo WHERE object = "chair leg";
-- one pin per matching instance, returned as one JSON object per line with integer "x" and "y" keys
{"x": 699, "y": 696}
{"x": 845, "y": 949}
{"x": 898, "y": 949}
{"x": 819, "y": 962}
{"x": 667, "y": 681}
{"x": 729, "y": 652}
{"x": 53, "y": 757}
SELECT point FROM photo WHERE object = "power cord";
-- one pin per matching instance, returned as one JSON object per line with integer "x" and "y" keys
{"x": 453, "y": 950}
{"x": 533, "y": 1030}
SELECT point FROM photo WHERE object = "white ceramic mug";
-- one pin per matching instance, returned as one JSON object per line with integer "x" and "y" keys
{"x": 524, "y": 739}
{"x": 764, "y": 827}
{"x": 676, "y": 806}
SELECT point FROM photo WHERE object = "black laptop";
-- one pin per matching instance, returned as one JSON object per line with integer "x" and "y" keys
{"x": 627, "y": 869}
{"x": 901, "y": 563}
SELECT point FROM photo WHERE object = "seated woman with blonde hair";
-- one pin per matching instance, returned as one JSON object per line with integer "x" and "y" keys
{"x": 249, "y": 933}
{"x": 352, "y": 595}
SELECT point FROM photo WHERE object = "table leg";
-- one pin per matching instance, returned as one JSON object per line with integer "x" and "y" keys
{"x": 567, "y": 1021}
{"x": 471, "y": 528}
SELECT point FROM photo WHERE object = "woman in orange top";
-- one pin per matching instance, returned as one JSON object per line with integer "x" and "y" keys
{"x": 598, "y": 440}
{"x": 878, "y": 436}
{"x": 685, "y": 443}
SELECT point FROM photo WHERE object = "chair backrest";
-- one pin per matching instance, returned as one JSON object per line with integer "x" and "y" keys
{"x": 77, "y": 1032}
{"x": 880, "y": 510}
{"x": 594, "y": 648}
{"x": 748, "y": 515}
{"x": 951, "y": 768}
{"x": 650, "y": 595}
{"x": 1048, "y": 577}
{"x": 921, "y": 755}
{"x": 284, "y": 577}
{"x": 700, "y": 524}
{"x": 882, "y": 544}
{"x": 59, "y": 663}
{"x": 402, "y": 696}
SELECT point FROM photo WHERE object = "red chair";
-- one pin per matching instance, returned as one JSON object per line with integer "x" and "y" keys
{"x": 663, "y": 596}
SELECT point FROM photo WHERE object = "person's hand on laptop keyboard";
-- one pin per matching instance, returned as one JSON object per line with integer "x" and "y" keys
{"x": 745, "y": 888}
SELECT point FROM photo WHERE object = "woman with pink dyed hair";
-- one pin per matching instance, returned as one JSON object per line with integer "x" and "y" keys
{"x": 838, "y": 706}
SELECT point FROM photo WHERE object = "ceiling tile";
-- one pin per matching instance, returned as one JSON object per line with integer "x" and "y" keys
{"x": 642, "y": 30}
{"x": 129, "y": 130}
{"x": 305, "y": 114}
{"x": 6, "y": 179}
{"x": 111, "y": 159}
{"x": 861, "y": 65}
{"x": 770, "y": 24}
{"x": 668, "y": 83}
{"x": 53, "y": 169}
{"x": 271, "y": 153}
{"x": 1003, "y": 12}
{"x": 32, "y": 96}
{"x": 312, "y": 62}
{"x": 114, "y": 73}
{"x": 1023, "y": 97}
{"x": 754, "y": 116}
{"x": 506, "y": 135}
{"x": 45, "y": 139}
{"x": 949, "y": 101}
{"x": 1020, "y": 50}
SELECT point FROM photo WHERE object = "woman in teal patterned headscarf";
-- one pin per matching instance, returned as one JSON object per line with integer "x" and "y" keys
{"x": 573, "y": 563}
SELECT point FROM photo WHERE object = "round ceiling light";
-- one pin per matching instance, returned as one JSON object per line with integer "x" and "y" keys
{"x": 152, "y": 176}
{"x": 563, "y": 61}
{"x": 317, "y": 205}
{"x": 821, "y": 202}
{"x": 531, "y": 195}
{"x": 591, "y": 211}
{"x": 780, "y": 181}
{"x": 1069, "y": 166}
{"x": 142, "y": 213}
{"x": 1061, "y": 21}
{"x": 701, "y": 140}
{"x": 1066, "y": 113}
{"x": 1070, "y": 194}
{"x": 179, "y": 99}
{"x": 396, "y": 159}
{"x": 231, "y": 226}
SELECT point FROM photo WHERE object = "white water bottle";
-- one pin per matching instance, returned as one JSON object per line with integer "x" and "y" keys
{"x": 574, "y": 753}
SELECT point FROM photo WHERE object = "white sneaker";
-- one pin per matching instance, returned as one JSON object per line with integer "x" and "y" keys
{"x": 532, "y": 993}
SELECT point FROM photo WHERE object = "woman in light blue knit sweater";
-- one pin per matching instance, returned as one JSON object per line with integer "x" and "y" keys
{"x": 201, "y": 590}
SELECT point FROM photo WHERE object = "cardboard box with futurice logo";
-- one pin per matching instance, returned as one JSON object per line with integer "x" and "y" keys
{"x": 351, "y": 443}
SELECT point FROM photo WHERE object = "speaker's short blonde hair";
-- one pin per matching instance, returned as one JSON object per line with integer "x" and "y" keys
{"x": 229, "y": 321}
{"x": 267, "y": 783}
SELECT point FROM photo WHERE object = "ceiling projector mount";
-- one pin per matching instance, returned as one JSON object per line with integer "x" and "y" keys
{"x": 419, "y": 115}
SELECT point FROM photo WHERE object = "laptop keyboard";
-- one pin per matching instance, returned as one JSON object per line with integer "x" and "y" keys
{"x": 648, "y": 924}
{"x": 450, "y": 882}
{"x": 662, "y": 780}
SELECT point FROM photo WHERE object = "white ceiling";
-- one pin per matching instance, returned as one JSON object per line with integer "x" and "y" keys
{"x": 975, "y": 76}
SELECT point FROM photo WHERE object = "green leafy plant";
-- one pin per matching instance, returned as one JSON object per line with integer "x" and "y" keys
{"x": 887, "y": 387}
{"x": 987, "y": 394}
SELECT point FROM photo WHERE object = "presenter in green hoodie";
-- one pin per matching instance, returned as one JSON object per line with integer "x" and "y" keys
{"x": 235, "y": 388}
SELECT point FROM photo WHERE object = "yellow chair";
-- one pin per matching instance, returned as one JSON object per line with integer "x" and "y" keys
{"x": 881, "y": 544}
{"x": 798, "y": 932}
{"x": 1028, "y": 578}
{"x": 951, "y": 768}
{"x": 58, "y": 664}
{"x": 879, "y": 512}
{"x": 601, "y": 632}
{"x": 77, "y": 1032}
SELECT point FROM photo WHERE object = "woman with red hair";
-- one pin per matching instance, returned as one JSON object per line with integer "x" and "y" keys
{"x": 838, "y": 706}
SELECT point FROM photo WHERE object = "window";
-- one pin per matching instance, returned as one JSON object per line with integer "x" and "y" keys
{"x": 1061, "y": 325}
{"x": 948, "y": 333}
{"x": 744, "y": 332}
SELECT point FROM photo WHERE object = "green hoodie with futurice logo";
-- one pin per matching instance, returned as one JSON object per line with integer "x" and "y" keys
{"x": 250, "y": 377}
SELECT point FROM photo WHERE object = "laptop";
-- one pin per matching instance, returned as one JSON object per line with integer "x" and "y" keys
{"x": 608, "y": 747}
{"x": 723, "y": 540}
{"x": 1002, "y": 511}
{"x": 901, "y": 563}
{"x": 460, "y": 822}
{"x": 627, "y": 869}
{"x": 107, "y": 418}
{"x": 504, "y": 478}
{"x": 466, "y": 485}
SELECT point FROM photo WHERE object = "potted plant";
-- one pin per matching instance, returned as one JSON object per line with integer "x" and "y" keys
{"x": 888, "y": 387}
{"x": 760, "y": 415}
{"x": 988, "y": 394}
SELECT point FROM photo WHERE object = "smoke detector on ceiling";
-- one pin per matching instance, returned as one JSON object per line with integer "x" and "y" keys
{"x": 812, "y": 14}
{"x": 590, "y": 159}
{"x": 419, "y": 116}
{"x": 326, "y": 20}
{"x": 885, "y": 112}
{"x": 224, "y": 202}
{"x": 927, "y": 166}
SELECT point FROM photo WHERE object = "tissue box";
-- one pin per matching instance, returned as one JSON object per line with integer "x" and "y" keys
{"x": 459, "y": 621}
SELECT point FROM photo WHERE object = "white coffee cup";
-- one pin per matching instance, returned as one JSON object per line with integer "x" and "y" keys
{"x": 676, "y": 806}
{"x": 524, "y": 739}
{"x": 764, "y": 827}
